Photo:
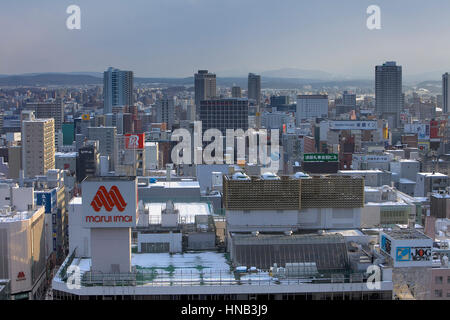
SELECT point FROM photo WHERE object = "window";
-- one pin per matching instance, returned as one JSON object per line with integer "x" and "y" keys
{"x": 438, "y": 280}
{"x": 438, "y": 293}
{"x": 448, "y": 279}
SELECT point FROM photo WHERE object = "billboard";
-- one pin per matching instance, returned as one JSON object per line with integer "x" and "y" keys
{"x": 47, "y": 199}
{"x": 422, "y": 130}
{"x": 407, "y": 251}
{"x": 371, "y": 158}
{"x": 353, "y": 125}
{"x": 134, "y": 141}
{"x": 109, "y": 202}
{"x": 385, "y": 244}
{"x": 320, "y": 167}
{"x": 437, "y": 129}
{"x": 320, "y": 157}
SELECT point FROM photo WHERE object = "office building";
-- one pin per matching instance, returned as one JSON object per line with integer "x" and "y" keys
{"x": 117, "y": 89}
{"x": 38, "y": 146}
{"x": 14, "y": 161}
{"x": 236, "y": 92}
{"x": 165, "y": 112}
{"x": 311, "y": 107}
{"x": 346, "y": 104}
{"x": 254, "y": 88}
{"x": 224, "y": 114}
{"x": 22, "y": 243}
{"x": 205, "y": 88}
{"x": 47, "y": 110}
{"x": 445, "y": 93}
{"x": 88, "y": 160}
{"x": 129, "y": 158}
{"x": 164, "y": 267}
{"x": 106, "y": 136}
{"x": 388, "y": 92}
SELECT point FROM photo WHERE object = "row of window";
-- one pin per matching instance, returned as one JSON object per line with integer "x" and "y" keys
{"x": 440, "y": 280}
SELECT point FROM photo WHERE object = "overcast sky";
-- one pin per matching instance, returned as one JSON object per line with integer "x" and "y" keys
{"x": 171, "y": 38}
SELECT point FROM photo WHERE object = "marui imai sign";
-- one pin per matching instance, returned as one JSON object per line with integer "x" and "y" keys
{"x": 109, "y": 202}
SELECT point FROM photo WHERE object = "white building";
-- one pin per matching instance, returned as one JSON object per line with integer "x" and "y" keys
{"x": 22, "y": 244}
{"x": 427, "y": 182}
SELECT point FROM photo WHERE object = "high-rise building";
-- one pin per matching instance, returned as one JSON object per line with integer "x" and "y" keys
{"x": 236, "y": 92}
{"x": 347, "y": 104}
{"x": 88, "y": 160}
{"x": 388, "y": 92}
{"x": 46, "y": 110}
{"x": 254, "y": 88}
{"x": 445, "y": 93}
{"x": 38, "y": 146}
{"x": 224, "y": 114}
{"x": 205, "y": 87}
{"x": 107, "y": 140}
{"x": 311, "y": 107}
{"x": 165, "y": 111}
{"x": 117, "y": 89}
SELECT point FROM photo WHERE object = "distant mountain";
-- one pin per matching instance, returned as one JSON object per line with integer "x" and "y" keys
{"x": 96, "y": 78}
{"x": 422, "y": 77}
{"x": 49, "y": 79}
{"x": 298, "y": 73}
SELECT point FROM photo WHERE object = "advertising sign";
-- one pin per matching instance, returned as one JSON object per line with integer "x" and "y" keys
{"x": 320, "y": 157}
{"x": 109, "y": 202}
{"x": 371, "y": 158}
{"x": 353, "y": 125}
{"x": 134, "y": 141}
{"x": 403, "y": 254}
{"x": 437, "y": 129}
{"x": 46, "y": 199}
{"x": 421, "y": 254}
{"x": 385, "y": 244}
{"x": 422, "y": 130}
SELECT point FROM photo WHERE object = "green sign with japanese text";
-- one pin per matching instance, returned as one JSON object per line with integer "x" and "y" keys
{"x": 320, "y": 157}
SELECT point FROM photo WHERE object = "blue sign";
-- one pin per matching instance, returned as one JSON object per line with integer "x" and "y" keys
{"x": 403, "y": 254}
{"x": 46, "y": 199}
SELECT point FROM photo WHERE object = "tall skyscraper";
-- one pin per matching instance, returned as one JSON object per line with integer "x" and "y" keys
{"x": 388, "y": 92}
{"x": 165, "y": 111}
{"x": 236, "y": 92}
{"x": 38, "y": 146}
{"x": 117, "y": 89}
{"x": 254, "y": 88}
{"x": 445, "y": 93}
{"x": 205, "y": 87}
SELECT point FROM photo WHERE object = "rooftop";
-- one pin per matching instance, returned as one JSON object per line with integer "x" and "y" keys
{"x": 187, "y": 211}
{"x": 431, "y": 174}
{"x": 405, "y": 234}
{"x": 13, "y": 216}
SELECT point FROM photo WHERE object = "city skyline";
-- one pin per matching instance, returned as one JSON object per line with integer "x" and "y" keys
{"x": 157, "y": 40}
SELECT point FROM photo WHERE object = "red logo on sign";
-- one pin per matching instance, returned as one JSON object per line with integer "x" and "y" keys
{"x": 134, "y": 141}
{"x": 106, "y": 199}
{"x": 21, "y": 275}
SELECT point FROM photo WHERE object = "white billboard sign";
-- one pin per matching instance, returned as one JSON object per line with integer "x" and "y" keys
{"x": 353, "y": 125}
{"x": 109, "y": 202}
{"x": 422, "y": 130}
